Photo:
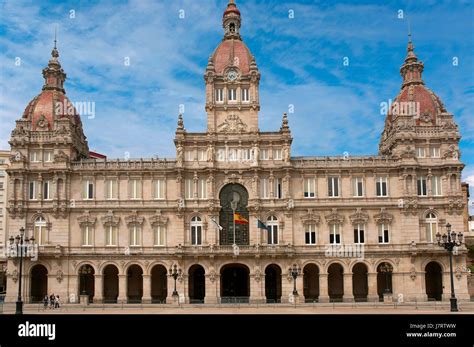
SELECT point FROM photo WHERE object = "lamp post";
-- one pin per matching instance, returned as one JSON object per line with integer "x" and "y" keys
{"x": 20, "y": 242}
{"x": 387, "y": 269}
{"x": 233, "y": 205}
{"x": 295, "y": 271}
{"x": 175, "y": 273}
{"x": 448, "y": 241}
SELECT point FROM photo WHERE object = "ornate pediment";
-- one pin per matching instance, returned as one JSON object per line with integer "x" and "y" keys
{"x": 359, "y": 217}
{"x": 232, "y": 124}
{"x": 455, "y": 205}
{"x": 334, "y": 217}
{"x": 383, "y": 217}
{"x": 310, "y": 218}
{"x": 61, "y": 157}
{"x": 134, "y": 219}
{"x": 110, "y": 219}
{"x": 86, "y": 219}
{"x": 158, "y": 219}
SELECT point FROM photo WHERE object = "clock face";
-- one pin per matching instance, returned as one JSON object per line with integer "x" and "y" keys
{"x": 232, "y": 75}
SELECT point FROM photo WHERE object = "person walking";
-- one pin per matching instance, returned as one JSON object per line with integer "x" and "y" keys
{"x": 57, "y": 303}
{"x": 45, "y": 302}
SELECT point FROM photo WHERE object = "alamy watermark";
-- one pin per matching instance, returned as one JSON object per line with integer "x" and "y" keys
{"x": 400, "y": 108}
{"x": 83, "y": 108}
{"x": 345, "y": 251}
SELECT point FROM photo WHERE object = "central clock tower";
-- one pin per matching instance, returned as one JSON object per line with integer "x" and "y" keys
{"x": 232, "y": 81}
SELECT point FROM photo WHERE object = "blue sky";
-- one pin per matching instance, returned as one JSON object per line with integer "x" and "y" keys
{"x": 300, "y": 59}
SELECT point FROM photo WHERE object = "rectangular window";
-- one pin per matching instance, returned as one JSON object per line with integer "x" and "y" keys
{"x": 382, "y": 186}
{"x": 232, "y": 94}
{"x": 135, "y": 189}
{"x": 110, "y": 235}
{"x": 86, "y": 235}
{"x": 245, "y": 154}
{"x": 196, "y": 235}
{"x": 264, "y": 188}
{"x": 431, "y": 230}
{"x": 46, "y": 190}
{"x": 40, "y": 233}
{"x": 272, "y": 238}
{"x": 34, "y": 157}
{"x": 135, "y": 236}
{"x": 277, "y": 188}
{"x": 159, "y": 235}
{"x": 159, "y": 189}
{"x": 88, "y": 190}
{"x": 357, "y": 187}
{"x": 309, "y": 187}
{"x": 277, "y": 154}
{"x": 111, "y": 189}
{"x": 421, "y": 186}
{"x": 48, "y": 156}
{"x": 434, "y": 152}
{"x": 245, "y": 95}
{"x": 264, "y": 154}
{"x": 334, "y": 234}
{"x": 359, "y": 233}
{"x": 219, "y": 95}
{"x": 202, "y": 155}
{"x": 32, "y": 190}
{"x": 333, "y": 186}
{"x": 310, "y": 234}
{"x": 232, "y": 154}
{"x": 420, "y": 152}
{"x": 188, "y": 189}
{"x": 202, "y": 188}
{"x": 436, "y": 186}
{"x": 189, "y": 155}
{"x": 383, "y": 233}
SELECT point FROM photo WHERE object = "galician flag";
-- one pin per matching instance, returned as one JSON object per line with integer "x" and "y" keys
{"x": 261, "y": 225}
{"x": 239, "y": 219}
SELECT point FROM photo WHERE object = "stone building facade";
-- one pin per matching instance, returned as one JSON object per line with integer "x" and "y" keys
{"x": 355, "y": 227}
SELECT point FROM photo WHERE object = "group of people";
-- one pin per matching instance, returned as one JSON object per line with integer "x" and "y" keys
{"x": 52, "y": 301}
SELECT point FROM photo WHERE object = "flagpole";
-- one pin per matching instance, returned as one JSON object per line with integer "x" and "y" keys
{"x": 233, "y": 205}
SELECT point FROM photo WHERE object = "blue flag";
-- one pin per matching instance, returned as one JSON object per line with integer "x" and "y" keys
{"x": 261, "y": 225}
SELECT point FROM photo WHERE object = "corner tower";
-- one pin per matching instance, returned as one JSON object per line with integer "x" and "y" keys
{"x": 232, "y": 80}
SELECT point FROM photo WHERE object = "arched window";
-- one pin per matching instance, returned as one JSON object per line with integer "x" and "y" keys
{"x": 40, "y": 230}
{"x": 431, "y": 227}
{"x": 272, "y": 225}
{"x": 196, "y": 231}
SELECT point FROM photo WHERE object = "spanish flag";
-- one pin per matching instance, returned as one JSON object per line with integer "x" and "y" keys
{"x": 239, "y": 219}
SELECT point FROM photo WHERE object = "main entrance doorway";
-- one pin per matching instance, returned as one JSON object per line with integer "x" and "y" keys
{"x": 235, "y": 283}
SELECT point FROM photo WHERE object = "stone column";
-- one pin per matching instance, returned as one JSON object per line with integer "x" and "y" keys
{"x": 170, "y": 288}
{"x": 323, "y": 288}
{"x": 348, "y": 291}
{"x": 212, "y": 288}
{"x": 372, "y": 284}
{"x": 98, "y": 288}
{"x": 122, "y": 297}
{"x": 146, "y": 297}
{"x": 257, "y": 288}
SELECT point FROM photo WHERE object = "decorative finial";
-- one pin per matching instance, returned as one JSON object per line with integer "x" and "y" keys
{"x": 55, "y": 33}
{"x": 409, "y": 31}
{"x": 180, "y": 122}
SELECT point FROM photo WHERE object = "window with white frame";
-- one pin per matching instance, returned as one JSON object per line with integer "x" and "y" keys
{"x": 383, "y": 233}
{"x": 188, "y": 188}
{"x": 334, "y": 234}
{"x": 48, "y": 156}
{"x": 111, "y": 189}
{"x": 434, "y": 152}
{"x": 110, "y": 235}
{"x": 357, "y": 186}
{"x": 47, "y": 190}
{"x": 202, "y": 188}
{"x": 359, "y": 236}
{"x": 431, "y": 227}
{"x": 421, "y": 186}
{"x": 420, "y": 152}
{"x": 88, "y": 190}
{"x": 135, "y": 235}
{"x": 189, "y": 155}
{"x": 277, "y": 188}
{"x": 333, "y": 186}
{"x": 219, "y": 95}
{"x": 159, "y": 192}
{"x": 232, "y": 94}
{"x": 159, "y": 237}
{"x": 264, "y": 188}
{"x": 196, "y": 231}
{"x": 381, "y": 185}
{"x": 135, "y": 189}
{"x": 245, "y": 95}
{"x": 40, "y": 230}
{"x": 232, "y": 154}
{"x": 436, "y": 186}
{"x": 264, "y": 154}
{"x": 309, "y": 187}
{"x": 245, "y": 154}
{"x": 272, "y": 233}
{"x": 87, "y": 235}
{"x": 32, "y": 190}
{"x": 202, "y": 155}
{"x": 34, "y": 156}
{"x": 310, "y": 234}
{"x": 277, "y": 154}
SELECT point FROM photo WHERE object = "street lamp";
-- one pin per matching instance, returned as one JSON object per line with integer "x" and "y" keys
{"x": 233, "y": 205}
{"x": 448, "y": 242}
{"x": 175, "y": 273}
{"x": 295, "y": 271}
{"x": 387, "y": 269}
{"x": 20, "y": 242}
